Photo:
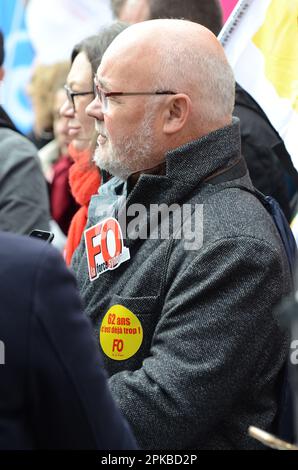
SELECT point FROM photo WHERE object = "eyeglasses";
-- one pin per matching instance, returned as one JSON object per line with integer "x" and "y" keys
{"x": 103, "y": 95}
{"x": 71, "y": 94}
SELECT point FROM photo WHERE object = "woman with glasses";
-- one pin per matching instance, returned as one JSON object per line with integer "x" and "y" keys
{"x": 84, "y": 176}
{"x": 47, "y": 95}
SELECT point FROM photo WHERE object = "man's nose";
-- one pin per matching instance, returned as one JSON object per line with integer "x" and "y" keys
{"x": 94, "y": 109}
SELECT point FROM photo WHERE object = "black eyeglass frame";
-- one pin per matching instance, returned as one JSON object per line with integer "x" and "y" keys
{"x": 71, "y": 94}
{"x": 98, "y": 91}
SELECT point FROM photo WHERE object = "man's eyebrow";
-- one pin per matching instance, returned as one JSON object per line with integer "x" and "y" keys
{"x": 102, "y": 82}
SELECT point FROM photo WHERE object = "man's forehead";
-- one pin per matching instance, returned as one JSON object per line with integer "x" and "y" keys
{"x": 110, "y": 75}
{"x": 104, "y": 73}
{"x": 132, "y": 66}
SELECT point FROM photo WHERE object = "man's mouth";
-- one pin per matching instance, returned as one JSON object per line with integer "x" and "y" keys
{"x": 101, "y": 139}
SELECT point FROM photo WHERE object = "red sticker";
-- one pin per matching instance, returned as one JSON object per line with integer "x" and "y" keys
{"x": 104, "y": 247}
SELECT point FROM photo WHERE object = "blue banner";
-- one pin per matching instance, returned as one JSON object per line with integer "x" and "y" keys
{"x": 19, "y": 55}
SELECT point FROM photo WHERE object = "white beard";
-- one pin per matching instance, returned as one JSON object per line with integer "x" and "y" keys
{"x": 131, "y": 154}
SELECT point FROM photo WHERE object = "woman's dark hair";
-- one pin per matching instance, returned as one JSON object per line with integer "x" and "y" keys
{"x": 96, "y": 45}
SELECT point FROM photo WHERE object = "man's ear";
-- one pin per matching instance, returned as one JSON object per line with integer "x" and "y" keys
{"x": 1, "y": 73}
{"x": 176, "y": 113}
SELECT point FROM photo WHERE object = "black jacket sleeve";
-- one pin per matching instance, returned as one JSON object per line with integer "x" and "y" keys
{"x": 70, "y": 404}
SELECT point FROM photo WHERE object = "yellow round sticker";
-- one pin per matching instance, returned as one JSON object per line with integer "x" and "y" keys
{"x": 121, "y": 333}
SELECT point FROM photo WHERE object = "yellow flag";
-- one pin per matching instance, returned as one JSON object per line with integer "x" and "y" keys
{"x": 261, "y": 43}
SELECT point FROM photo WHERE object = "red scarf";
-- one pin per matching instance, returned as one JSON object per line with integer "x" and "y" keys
{"x": 84, "y": 180}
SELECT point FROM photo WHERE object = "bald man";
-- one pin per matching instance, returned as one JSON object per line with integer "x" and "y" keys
{"x": 182, "y": 303}
{"x": 269, "y": 164}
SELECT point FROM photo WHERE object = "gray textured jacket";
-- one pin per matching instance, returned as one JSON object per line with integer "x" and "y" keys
{"x": 209, "y": 363}
{"x": 24, "y": 202}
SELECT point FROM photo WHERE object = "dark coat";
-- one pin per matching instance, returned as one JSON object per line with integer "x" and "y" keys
{"x": 269, "y": 164}
{"x": 24, "y": 203}
{"x": 53, "y": 389}
{"x": 209, "y": 363}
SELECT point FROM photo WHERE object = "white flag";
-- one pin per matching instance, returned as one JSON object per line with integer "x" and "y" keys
{"x": 55, "y": 26}
{"x": 261, "y": 42}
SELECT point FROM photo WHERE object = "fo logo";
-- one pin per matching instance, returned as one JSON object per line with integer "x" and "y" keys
{"x": 104, "y": 247}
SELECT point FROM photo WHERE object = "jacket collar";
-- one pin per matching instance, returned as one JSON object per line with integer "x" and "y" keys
{"x": 188, "y": 166}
